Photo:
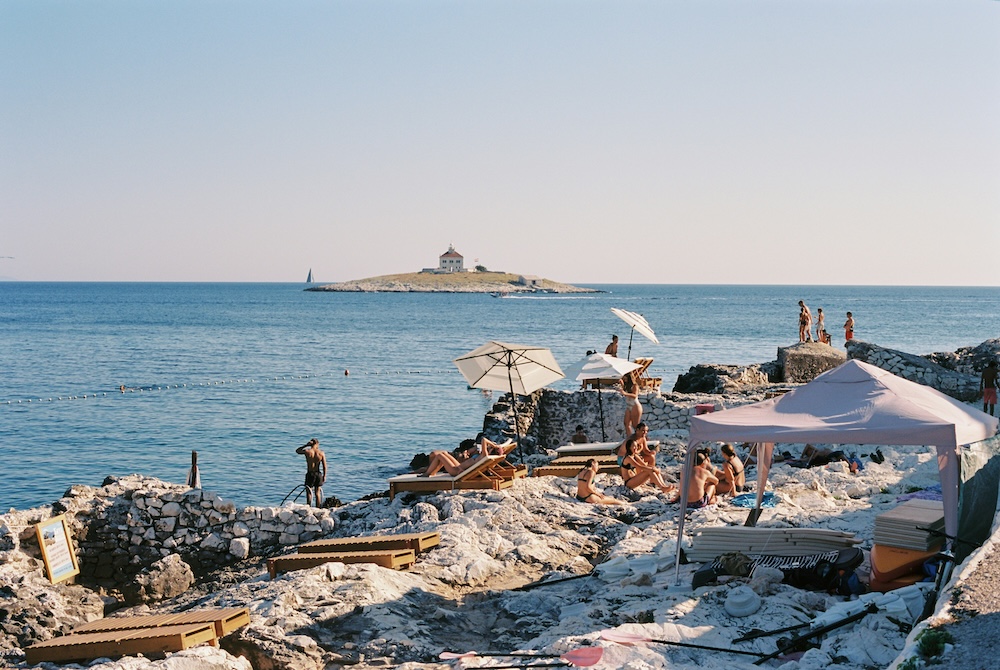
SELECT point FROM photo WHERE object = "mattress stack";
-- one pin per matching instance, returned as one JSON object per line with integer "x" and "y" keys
{"x": 901, "y": 548}
{"x": 714, "y": 541}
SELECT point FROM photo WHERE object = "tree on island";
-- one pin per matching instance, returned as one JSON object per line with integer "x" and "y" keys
{"x": 481, "y": 268}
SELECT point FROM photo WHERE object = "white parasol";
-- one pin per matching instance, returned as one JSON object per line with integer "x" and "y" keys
{"x": 600, "y": 366}
{"x": 639, "y": 325}
{"x": 520, "y": 369}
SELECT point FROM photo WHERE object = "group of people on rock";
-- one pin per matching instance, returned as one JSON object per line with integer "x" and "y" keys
{"x": 636, "y": 458}
{"x": 806, "y": 325}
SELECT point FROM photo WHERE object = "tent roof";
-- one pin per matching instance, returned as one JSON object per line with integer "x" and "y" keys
{"x": 855, "y": 403}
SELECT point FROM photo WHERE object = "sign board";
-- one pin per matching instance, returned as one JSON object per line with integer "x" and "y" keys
{"x": 57, "y": 549}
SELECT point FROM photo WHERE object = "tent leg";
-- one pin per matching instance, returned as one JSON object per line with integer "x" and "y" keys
{"x": 600, "y": 403}
{"x": 753, "y": 516}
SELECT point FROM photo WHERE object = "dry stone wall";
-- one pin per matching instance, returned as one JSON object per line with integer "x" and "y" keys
{"x": 958, "y": 385}
{"x": 130, "y": 523}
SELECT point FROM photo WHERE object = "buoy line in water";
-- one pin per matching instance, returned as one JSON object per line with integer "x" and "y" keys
{"x": 124, "y": 390}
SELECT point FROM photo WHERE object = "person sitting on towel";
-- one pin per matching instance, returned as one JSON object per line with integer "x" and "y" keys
{"x": 701, "y": 491}
{"x": 585, "y": 491}
{"x": 733, "y": 478}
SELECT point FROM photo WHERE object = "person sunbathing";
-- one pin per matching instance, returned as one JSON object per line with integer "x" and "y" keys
{"x": 641, "y": 472}
{"x": 702, "y": 484}
{"x": 444, "y": 460}
{"x": 585, "y": 491}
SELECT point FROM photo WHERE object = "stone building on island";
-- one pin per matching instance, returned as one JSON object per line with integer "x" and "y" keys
{"x": 449, "y": 261}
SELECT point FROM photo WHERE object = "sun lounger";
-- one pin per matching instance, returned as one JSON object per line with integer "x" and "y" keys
{"x": 418, "y": 542}
{"x": 225, "y": 621}
{"x": 507, "y": 469}
{"x": 593, "y": 448}
{"x": 570, "y": 466}
{"x": 128, "y": 642}
{"x": 647, "y": 383}
{"x": 396, "y": 559}
{"x": 478, "y": 475}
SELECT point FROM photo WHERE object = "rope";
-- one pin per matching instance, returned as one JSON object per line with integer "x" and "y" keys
{"x": 122, "y": 390}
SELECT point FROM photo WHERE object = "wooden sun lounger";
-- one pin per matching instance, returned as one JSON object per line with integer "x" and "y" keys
{"x": 647, "y": 383}
{"x": 397, "y": 559}
{"x": 418, "y": 542}
{"x": 505, "y": 468}
{"x": 129, "y": 642}
{"x": 477, "y": 476}
{"x": 225, "y": 621}
{"x": 587, "y": 449}
{"x": 570, "y": 466}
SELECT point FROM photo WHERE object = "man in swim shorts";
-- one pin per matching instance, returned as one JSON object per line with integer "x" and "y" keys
{"x": 849, "y": 328}
{"x": 702, "y": 484}
{"x": 315, "y": 471}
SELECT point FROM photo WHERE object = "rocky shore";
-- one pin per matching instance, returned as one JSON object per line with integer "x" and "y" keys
{"x": 525, "y": 568}
{"x": 501, "y": 283}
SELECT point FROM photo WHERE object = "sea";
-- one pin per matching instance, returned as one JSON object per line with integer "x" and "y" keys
{"x": 244, "y": 373}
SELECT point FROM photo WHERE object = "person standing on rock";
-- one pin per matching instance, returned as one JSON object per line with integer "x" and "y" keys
{"x": 820, "y": 324}
{"x": 849, "y": 328}
{"x": 988, "y": 384}
{"x": 805, "y": 323}
{"x": 315, "y": 471}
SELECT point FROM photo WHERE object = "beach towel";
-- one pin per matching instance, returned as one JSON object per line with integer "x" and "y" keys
{"x": 749, "y": 500}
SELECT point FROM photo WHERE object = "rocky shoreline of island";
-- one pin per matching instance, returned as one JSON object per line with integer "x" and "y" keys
{"x": 501, "y": 284}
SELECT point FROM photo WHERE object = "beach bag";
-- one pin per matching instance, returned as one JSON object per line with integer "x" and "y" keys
{"x": 832, "y": 573}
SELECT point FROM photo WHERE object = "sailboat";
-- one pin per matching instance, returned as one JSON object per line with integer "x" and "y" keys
{"x": 309, "y": 279}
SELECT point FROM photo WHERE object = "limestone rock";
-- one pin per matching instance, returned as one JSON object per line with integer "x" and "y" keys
{"x": 166, "y": 578}
{"x": 804, "y": 361}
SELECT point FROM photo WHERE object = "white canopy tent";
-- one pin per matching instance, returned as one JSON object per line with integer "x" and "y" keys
{"x": 855, "y": 403}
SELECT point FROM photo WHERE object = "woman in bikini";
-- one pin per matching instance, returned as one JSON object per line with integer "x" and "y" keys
{"x": 642, "y": 473}
{"x": 733, "y": 477}
{"x": 585, "y": 491}
{"x": 633, "y": 408}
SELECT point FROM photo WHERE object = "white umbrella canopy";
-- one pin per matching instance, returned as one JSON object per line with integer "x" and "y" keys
{"x": 639, "y": 325}
{"x": 518, "y": 368}
{"x": 600, "y": 366}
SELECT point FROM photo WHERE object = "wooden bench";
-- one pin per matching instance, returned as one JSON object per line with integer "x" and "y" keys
{"x": 225, "y": 621}
{"x": 418, "y": 542}
{"x": 127, "y": 642}
{"x": 396, "y": 559}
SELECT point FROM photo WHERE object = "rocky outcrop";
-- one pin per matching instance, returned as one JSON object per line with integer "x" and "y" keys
{"x": 167, "y": 578}
{"x": 709, "y": 378}
{"x": 968, "y": 360}
{"x": 803, "y": 362}
{"x": 958, "y": 385}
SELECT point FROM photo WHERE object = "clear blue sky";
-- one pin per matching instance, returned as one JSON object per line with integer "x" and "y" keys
{"x": 606, "y": 142}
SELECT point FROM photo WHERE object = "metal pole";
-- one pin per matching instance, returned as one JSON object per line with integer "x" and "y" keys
{"x": 513, "y": 404}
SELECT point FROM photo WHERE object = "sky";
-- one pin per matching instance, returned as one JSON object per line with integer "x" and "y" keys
{"x": 716, "y": 142}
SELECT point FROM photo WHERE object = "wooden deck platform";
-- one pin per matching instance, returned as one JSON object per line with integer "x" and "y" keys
{"x": 127, "y": 642}
{"x": 397, "y": 559}
{"x": 225, "y": 621}
{"x": 418, "y": 542}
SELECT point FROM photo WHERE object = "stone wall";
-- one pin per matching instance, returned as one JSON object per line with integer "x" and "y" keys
{"x": 804, "y": 361}
{"x": 130, "y": 523}
{"x": 917, "y": 369}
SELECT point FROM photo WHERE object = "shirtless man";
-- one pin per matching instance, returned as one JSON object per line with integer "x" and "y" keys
{"x": 849, "y": 328}
{"x": 315, "y": 471}
{"x": 702, "y": 484}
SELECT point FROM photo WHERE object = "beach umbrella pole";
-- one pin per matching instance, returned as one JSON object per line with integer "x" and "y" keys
{"x": 628, "y": 356}
{"x": 600, "y": 404}
{"x": 513, "y": 404}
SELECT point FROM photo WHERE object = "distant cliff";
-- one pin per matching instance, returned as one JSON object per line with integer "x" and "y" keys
{"x": 455, "y": 282}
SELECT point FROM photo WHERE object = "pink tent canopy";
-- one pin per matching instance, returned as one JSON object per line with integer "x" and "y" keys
{"x": 855, "y": 403}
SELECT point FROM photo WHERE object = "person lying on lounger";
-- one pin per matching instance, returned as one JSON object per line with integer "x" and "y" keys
{"x": 585, "y": 491}
{"x": 443, "y": 460}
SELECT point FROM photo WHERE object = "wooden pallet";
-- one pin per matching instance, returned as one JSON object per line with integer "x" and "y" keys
{"x": 418, "y": 542}
{"x": 128, "y": 642}
{"x": 396, "y": 559}
{"x": 225, "y": 621}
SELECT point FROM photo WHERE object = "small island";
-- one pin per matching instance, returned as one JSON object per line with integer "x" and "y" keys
{"x": 451, "y": 276}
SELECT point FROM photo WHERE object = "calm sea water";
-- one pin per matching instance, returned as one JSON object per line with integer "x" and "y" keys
{"x": 245, "y": 373}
